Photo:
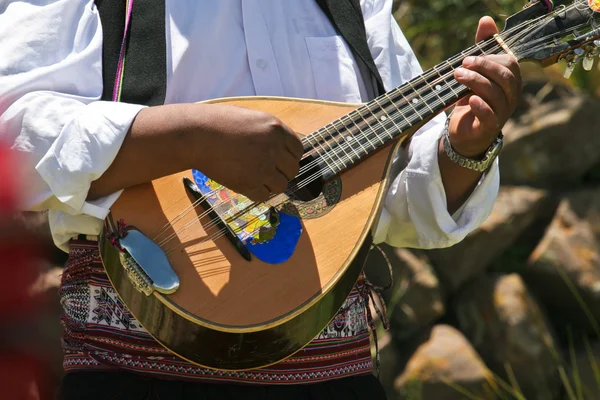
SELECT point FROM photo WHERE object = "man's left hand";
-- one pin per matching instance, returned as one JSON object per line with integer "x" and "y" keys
{"x": 495, "y": 81}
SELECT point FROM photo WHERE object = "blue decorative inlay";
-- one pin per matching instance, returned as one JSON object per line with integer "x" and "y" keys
{"x": 270, "y": 247}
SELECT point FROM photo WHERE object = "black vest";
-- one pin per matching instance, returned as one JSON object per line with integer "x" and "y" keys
{"x": 145, "y": 78}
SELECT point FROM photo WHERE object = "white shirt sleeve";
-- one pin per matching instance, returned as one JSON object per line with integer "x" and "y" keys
{"x": 50, "y": 86}
{"x": 415, "y": 210}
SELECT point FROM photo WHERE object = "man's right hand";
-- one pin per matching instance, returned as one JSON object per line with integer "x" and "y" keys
{"x": 248, "y": 151}
{"x": 253, "y": 153}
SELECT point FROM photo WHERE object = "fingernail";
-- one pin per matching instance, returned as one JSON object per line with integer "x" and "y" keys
{"x": 469, "y": 61}
{"x": 461, "y": 73}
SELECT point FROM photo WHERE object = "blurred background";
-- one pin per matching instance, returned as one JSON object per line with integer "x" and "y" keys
{"x": 512, "y": 312}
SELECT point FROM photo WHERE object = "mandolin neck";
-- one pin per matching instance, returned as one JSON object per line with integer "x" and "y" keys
{"x": 353, "y": 137}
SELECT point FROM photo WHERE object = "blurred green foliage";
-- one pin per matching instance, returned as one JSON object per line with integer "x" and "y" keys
{"x": 439, "y": 29}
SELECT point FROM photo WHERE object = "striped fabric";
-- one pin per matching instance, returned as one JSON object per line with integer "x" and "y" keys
{"x": 101, "y": 334}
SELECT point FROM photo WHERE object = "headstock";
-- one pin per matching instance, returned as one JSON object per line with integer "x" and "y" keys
{"x": 547, "y": 32}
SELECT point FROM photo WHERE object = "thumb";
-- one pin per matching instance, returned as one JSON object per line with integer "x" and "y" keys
{"x": 486, "y": 29}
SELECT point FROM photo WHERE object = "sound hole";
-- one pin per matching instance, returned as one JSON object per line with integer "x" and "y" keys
{"x": 308, "y": 185}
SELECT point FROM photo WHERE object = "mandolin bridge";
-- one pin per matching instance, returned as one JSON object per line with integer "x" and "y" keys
{"x": 138, "y": 278}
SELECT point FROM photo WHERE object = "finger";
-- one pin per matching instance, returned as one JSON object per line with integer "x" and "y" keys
{"x": 464, "y": 101}
{"x": 276, "y": 182}
{"x": 503, "y": 70}
{"x": 288, "y": 166}
{"x": 488, "y": 119}
{"x": 509, "y": 62}
{"x": 484, "y": 88}
{"x": 294, "y": 145}
{"x": 260, "y": 194}
{"x": 486, "y": 29}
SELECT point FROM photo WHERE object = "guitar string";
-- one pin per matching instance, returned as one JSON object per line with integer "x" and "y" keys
{"x": 428, "y": 74}
{"x": 363, "y": 133}
{"x": 214, "y": 237}
{"x": 432, "y": 72}
{"x": 391, "y": 123}
{"x": 241, "y": 212}
{"x": 222, "y": 232}
{"x": 423, "y": 77}
{"x": 553, "y": 36}
{"x": 370, "y": 115}
{"x": 319, "y": 173}
{"x": 307, "y": 180}
{"x": 366, "y": 120}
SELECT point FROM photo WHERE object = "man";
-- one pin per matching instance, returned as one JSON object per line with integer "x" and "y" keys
{"x": 83, "y": 151}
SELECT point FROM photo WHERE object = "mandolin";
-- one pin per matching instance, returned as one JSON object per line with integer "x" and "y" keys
{"x": 230, "y": 284}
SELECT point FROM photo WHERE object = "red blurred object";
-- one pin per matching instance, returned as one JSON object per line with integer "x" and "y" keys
{"x": 23, "y": 376}
{"x": 19, "y": 251}
{"x": 8, "y": 184}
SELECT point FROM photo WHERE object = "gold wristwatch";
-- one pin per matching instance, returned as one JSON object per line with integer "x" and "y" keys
{"x": 469, "y": 163}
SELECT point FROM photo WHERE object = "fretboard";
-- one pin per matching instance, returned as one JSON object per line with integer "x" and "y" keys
{"x": 353, "y": 137}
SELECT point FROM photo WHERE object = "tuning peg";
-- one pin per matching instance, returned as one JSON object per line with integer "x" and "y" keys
{"x": 569, "y": 70}
{"x": 588, "y": 61}
{"x": 572, "y": 59}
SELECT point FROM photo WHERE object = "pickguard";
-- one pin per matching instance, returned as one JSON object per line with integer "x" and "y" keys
{"x": 270, "y": 234}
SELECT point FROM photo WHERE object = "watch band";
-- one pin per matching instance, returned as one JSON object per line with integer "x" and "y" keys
{"x": 469, "y": 163}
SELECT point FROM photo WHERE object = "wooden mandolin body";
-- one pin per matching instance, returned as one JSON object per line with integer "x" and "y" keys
{"x": 232, "y": 314}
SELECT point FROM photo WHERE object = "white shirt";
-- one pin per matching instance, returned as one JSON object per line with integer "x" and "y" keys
{"x": 51, "y": 82}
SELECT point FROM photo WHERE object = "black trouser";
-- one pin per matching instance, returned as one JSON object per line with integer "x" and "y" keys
{"x": 127, "y": 386}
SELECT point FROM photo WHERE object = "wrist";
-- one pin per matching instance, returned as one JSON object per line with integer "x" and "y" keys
{"x": 476, "y": 160}
{"x": 474, "y": 149}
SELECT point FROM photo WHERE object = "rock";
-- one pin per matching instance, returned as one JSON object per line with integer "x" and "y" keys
{"x": 441, "y": 366}
{"x": 552, "y": 145}
{"x": 515, "y": 210}
{"x": 508, "y": 329}
{"x": 389, "y": 363}
{"x": 586, "y": 204}
{"x": 564, "y": 269}
{"x": 416, "y": 299}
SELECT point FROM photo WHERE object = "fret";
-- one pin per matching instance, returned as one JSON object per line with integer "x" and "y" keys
{"x": 417, "y": 92}
{"x": 351, "y": 139}
{"x": 346, "y": 141}
{"x": 387, "y": 117}
{"x": 381, "y": 120}
{"x": 373, "y": 125}
{"x": 435, "y": 90}
{"x": 444, "y": 81}
{"x": 400, "y": 111}
{"x": 453, "y": 68}
{"x": 480, "y": 49}
{"x": 412, "y": 105}
{"x": 388, "y": 106}
{"x": 326, "y": 152}
{"x": 374, "y": 130}
{"x": 438, "y": 89}
{"x": 357, "y": 139}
